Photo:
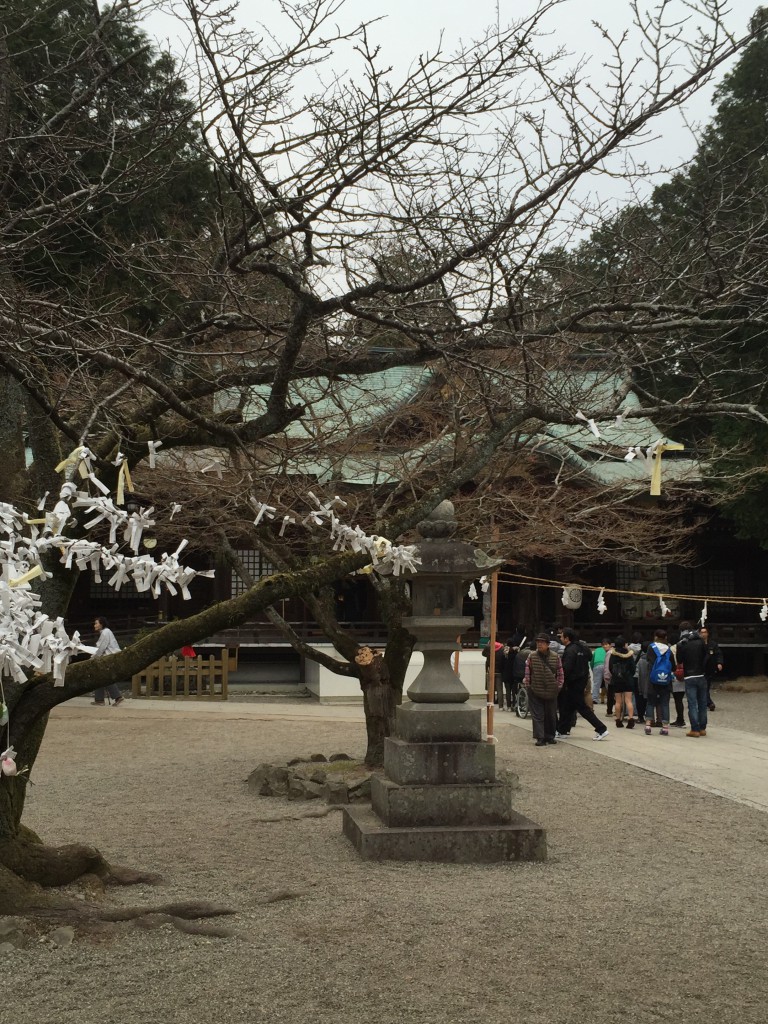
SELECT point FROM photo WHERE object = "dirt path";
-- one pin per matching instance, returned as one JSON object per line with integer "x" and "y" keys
{"x": 651, "y": 906}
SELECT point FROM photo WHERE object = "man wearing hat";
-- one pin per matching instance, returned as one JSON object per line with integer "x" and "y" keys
{"x": 543, "y": 679}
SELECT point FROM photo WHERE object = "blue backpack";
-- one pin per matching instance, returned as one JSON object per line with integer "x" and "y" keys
{"x": 661, "y": 670}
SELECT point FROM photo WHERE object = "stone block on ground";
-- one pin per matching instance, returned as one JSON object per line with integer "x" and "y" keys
{"x": 313, "y": 790}
{"x": 295, "y": 788}
{"x": 258, "y": 780}
{"x": 359, "y": 789}
{"x": 336, "y": 793}
{"x": 438, "y": 763}
{"x": 277, "y": 777}
{"x": 520, "y": 840}
{"x": 432, "y": 723}
{"x": 461, "y": 804}
{"x": 12, "y": 934}
{"x": 63, "y": 936}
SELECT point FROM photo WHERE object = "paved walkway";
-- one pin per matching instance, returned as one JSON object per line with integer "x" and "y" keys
{"x": 728, "y": 762}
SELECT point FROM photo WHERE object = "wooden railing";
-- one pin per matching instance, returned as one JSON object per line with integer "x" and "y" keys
{"x": 190, "y": 678}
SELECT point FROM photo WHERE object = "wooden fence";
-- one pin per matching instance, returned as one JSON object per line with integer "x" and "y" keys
{"x": 192, "y": 678}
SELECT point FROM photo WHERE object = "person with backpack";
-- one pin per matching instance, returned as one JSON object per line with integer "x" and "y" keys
{"x": 619, "y": 673}
{"x": 577, "y": 658}
{"x": 661, "y": 675}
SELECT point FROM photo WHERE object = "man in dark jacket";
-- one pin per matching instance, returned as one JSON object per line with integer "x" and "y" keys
{"x": 576, "y": 675}
{"x": 692, "y": 654}
{"x": 713, "y": 663}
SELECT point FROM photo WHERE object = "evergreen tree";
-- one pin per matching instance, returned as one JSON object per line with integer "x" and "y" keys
{"x": 102, "y": 155}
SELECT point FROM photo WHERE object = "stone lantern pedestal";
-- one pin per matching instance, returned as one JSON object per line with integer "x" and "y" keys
{"x": 439, "y": 799}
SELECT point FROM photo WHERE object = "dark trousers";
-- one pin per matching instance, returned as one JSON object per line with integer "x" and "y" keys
{"x": 512, "y": 686}
{"x": 572, "y": 703}
{"x": 657, "y": 708}
{"x": 678, "y": 699}
{"x": 113, "y": 690}
{"x": 610, "y": 699}
{"x": 640, "y": 704}
{"x": 710, "y": 680}
{"x": 543, "y": 716}
{"x": 696, "y": 693}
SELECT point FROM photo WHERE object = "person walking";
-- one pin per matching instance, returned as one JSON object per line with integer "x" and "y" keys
{"x": 692, "y": 654}
{"x": 637, "y": 647}
{"x": 713, "y": 663}
{"x": 660, "y": 661}
{"x": 576, "y": 673}
{"x": 514, "y": 669}
{"x": 106, "y": 644}
{"x": 498, "y": 661}
{"x": 543, "y": 680}
{"x": 678, "y": 695}
{"x": 619, "y": 672}
{"x": 598, "y": 664}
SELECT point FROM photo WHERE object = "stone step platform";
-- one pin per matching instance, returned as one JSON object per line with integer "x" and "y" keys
{"x": 438, "y": 764}
{"x": 520, "y": 840}
{"x": 402, "y": 806}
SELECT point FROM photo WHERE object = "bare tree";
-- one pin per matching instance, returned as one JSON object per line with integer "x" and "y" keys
{"x": 345, "y": 223}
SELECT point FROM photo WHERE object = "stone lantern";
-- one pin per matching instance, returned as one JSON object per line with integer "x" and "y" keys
{"x": 439, "y": 799}
{"x": 447, "y": 567}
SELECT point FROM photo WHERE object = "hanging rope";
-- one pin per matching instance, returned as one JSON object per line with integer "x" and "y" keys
{"x": 522, "y": 580}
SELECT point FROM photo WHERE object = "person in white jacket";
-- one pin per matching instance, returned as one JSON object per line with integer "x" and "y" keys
{"x": 106, "y": 644}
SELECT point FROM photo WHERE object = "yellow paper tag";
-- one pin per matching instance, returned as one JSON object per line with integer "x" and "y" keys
{"x": 658, "y": 451}
{"x": 33, "y": 573}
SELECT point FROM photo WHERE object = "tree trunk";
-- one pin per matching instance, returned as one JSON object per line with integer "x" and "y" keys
{"x": 395, "y": 603}
{"x": 380, "y": 699}
{"x": 13, "y": 788}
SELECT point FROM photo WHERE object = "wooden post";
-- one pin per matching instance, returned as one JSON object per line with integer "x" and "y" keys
{"x": 492, "y": 660}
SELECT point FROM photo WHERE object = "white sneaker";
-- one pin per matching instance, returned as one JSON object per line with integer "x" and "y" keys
{"x": 601, "y": 735}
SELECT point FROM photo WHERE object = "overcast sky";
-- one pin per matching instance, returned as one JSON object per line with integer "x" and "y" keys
{"x": 410, "y": 27}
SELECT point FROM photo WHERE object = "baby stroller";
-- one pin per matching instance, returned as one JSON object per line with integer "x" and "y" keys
{"x": 522, "y": 705}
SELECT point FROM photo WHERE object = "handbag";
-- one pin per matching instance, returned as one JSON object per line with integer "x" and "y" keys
{"x": 679, "y": 671}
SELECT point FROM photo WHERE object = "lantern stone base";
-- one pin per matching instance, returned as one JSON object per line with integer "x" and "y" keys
{"x": 440, "y": 800}
{"x": 403, "y": 806}
{"x": 521, "y": 839}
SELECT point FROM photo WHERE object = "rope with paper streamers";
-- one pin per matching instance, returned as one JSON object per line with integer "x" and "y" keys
{"x": 522, "y": 580}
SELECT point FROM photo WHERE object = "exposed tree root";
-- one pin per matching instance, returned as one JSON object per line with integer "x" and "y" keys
{"x": 51, "y": 865}
{"x": 28, "y": 869}
{"x": 120, "y": 875}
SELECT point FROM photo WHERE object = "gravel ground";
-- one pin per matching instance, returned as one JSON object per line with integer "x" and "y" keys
{"x": 748, "y": 711}
{"x": 652, "y": 906}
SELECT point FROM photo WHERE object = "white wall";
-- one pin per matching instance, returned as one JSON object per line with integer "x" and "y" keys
{"x": 330, "y": 688}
